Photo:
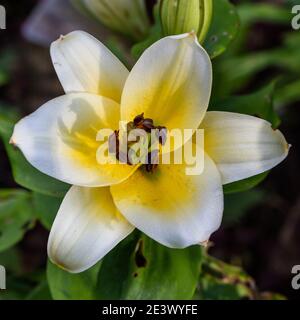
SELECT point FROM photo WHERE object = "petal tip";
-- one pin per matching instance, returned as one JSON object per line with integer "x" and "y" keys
{"x": 192, "y": 34}
{"x": 63, "y": 37}
{"x": 285, "y": 145}
{"x": 55, "y": 260}
{"x": 287, "y": 148}
{"x": 206, "y": 244}
{"x": 12, "y": 141}
{"x": 57, "y": 41}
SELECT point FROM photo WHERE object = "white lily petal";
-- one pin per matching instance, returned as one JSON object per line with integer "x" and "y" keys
{"x": 242, "y": 145}
{"x": 171, "y": 84}
{"x": 87, "y": 227}
{"x": 60, "y": 139}
{"x": 171, "y": 207}
{"x": 84, "y": 64}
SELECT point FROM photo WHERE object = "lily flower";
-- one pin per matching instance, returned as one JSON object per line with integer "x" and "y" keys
{"x": 170, "y": 86}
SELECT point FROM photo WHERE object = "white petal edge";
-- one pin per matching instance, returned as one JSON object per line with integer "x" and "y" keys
{"x": 86, "y": 228}
{"x": 241, "y": 145}
{"x": 84, "y": 64}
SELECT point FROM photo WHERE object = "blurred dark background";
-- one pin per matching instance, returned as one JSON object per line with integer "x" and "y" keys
{"x": 264, "y": 240}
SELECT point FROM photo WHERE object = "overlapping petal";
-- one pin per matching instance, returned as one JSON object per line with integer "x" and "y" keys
{"x": 242, "y": 145}
{"x": 60, "y": 139}
{"x": 84, "y": 64}
{"x": 87, "y": 226}
{"x": 171, "y": 84}
{"x": 173, "y": 208}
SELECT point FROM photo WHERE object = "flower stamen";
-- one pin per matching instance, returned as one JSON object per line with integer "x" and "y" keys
{"x": 141, "y": 123}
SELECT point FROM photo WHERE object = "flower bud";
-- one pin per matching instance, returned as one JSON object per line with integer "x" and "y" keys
{"x": 125, "y": 16}
{"x": 183, "y": 16}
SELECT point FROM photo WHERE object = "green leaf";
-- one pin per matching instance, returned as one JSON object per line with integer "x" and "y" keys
{"x": 155, "y": 34}
{"x": 237, "y": 205}
{"x": 67, "y": 286}
{"x": 46, "y": 208}
{"x": 8, "y": 112}
{"x": 290, "y": 3}
{"x": 120, "y": 50}
{"x": 24, "y": 174}
{"x": 251, "y": 13}
{"x": 246, "y": 184}
{"x": 271, "y": 296}
{"x": 12, "y": 260}
{"x": 6, "y": 62}
{"x": 16, "y": 216}
{"x": 216, "y": 289}
{"x": 259, "y": 104}
{"x": 17, "y": 288}
{"x": 40, "y": 292}
{"x": 229, "y": 78}
{"x": 140, "y": 268}
{"x": 288, "y": 92}
{"x": 24, "y": 285}
{"x": 221, "y": 281}
{"x": 224, "y": 28}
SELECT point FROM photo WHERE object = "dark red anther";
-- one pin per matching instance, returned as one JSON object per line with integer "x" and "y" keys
{"x": 138, "y": 119}
{"x": 152, "y": 161}
{"x": 148, "y": 125}
{"x": 162, "y": 134}
{"x": 151, "y": 167}
{"x": 153, "y": 157}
